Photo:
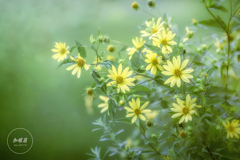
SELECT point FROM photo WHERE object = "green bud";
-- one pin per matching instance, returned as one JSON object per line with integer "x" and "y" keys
{"x": 204, "y": 47}
{"x": 154, "y": 135}
{"x": 198, "y": 80}
{"x": 100, "y": 38}
{"x": 180, "y": 45}
{"x": 102, "y": 79}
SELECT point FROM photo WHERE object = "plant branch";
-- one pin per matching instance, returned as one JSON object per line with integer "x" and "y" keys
{"x": 214, "y": 16}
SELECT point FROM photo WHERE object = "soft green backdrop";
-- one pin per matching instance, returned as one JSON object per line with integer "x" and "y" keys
{"x": 46, "y": 100}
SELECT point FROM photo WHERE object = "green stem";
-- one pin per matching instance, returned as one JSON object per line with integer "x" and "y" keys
{"x": 138, "y": 74}
{"x": 148, "y": 13}
{"x": 214, "y": 16}
{"x": 149, "y": 143}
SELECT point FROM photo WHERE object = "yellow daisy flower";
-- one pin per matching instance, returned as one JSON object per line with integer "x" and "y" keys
{"x": 164, "y": 38}
{"x": 80, "y": 63}
{"x": 61, "y": 50}
{"x": 104, "y": 105}
{"x": 120, "y": 78}
{"x": 152, "y": 28}
{"x": 137, "y": 110}
{"x": 138, "y": 43}
{"x": 184, "y": 109}
{"x": 232, "y": 128}
{"x": 175, "y": 70}
{"x": 154, "y": 62}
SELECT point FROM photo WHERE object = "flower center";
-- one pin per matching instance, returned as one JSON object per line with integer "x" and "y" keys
{"x": 154, "y": 62}
{"x": 137, "y": 111}
{"x": 164, "y": 42}
{"x": 231, "y": 128}
{"x": 154, "y": 30}
{"x": 81, "y": 62}
{"x": 185, "y": 110}
{"x": 62, "y": 51}
{"x": 177, "y": 72}
{"x": 119, "y": 79}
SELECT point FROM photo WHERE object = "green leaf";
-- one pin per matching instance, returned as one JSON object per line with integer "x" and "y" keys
{"x": 152, "y": 48}
{"x": 219, "y": 7}
{"x": 104, "y": 88}
{"x": 135, "y": 61}
{"x": 96, "y": 77}
{"x": 159, "y": 80}
{"x": 139, "y": 89}
{"x": 210, "y": 23}
{"x": 99, "y": 32}
{"x": 72, "y": 48}
{"x": 92, "y": 47}
{"x": 66, "y": 62}
{"x": 81, "y": 49}
{"x": 108, "y": 64}
{"x": 112, "y": 108}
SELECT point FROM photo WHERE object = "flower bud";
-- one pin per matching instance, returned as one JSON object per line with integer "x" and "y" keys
{"x": 89, "y": 92}
{"x": 121, "y": 102}
{"x": 154, "y": 136}
{"x": 205, "y": 75}
{"x": 180, "y": 45}
{"x": 121, "y": 61}
{"x": 182, "y": 134}
{"x": 230, "y": 38}
{"x": 149, "y": 123}
{"x": 198, "y": 80}
{"x": 135, "y": 5}
{"x": 102, "y": 79}
{"x": 110, "y": 48}
{"x": 151, "y": 3}
{"x": 100, "y": 38}
{"x": 204, "y": 47}
{"x": 190, "y": 34}
{"x": 194, "y": 21}
{"x": 106, "y": 39}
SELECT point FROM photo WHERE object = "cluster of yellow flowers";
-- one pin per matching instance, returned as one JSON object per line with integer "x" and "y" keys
{"x": 122, "y": 78}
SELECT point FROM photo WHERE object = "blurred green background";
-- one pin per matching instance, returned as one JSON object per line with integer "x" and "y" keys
{"x": 49, "y": 101}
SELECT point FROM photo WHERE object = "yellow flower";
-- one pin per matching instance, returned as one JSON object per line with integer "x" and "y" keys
{"x": 152, "y": 28}
{"x": 154, "y": 62}
{"x": 120, "y": 78}
{"x": 103, "y": 105}
{"x": 138, "y": 43}
{"x": 80, "y": 63}
{"x": 61, "y": 50}
{"x": 219, "y": 45}
{"x": 175, "y": 70}
{"x": 164, "y": 38}
{"x": 137, "y": 110}
{"x": 185, "y": 109}
{"x": 232, "y": 128}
